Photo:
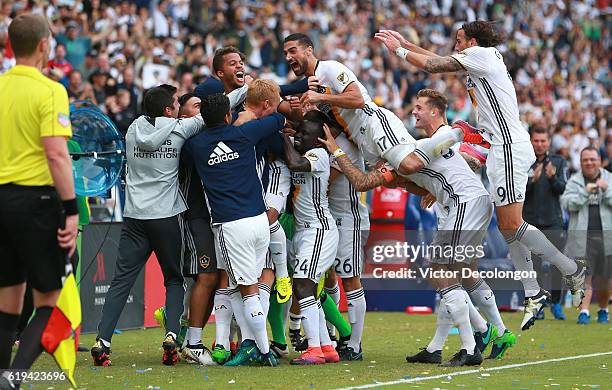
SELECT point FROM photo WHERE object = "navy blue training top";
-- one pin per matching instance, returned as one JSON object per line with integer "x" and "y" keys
{"x": 225, "y": 159}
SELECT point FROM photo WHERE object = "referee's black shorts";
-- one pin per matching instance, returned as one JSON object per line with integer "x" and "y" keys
{"x": 29, "y": 251}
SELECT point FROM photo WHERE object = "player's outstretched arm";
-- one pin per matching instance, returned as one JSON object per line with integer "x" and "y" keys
{"x": 360, "y": 180}
{"x": 403, "y": 42}
{"x": 427, "y": 62}
{"x": 294, "y": 160}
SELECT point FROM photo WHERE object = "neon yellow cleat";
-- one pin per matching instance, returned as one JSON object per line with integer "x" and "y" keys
{"x": 283, "y": 289}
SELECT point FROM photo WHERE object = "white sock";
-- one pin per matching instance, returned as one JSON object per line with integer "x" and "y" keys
{"x": 521, "y": 258}
{"x": 456, "y": 302}
{"x": 310, "y": 319}
{"x": 194, "y": 335}
{"x": 256, "y": 320}
{"x": 295, "y": 321}
{"x": 264, "y": 297}
{"x": 334, "y": 293}
{"x": 238, "y": 307}
{"x": 223, "y": 317}
{"x": 171, "y": 334}
{"x": 482, "y": 295}
{"x": 431, "y": 148}
{"x": 356, "y": 312}
{"x": 105, "y": 343}
{"x": 443, "y": 326}
{"x": 285, "y": 308}
{"x": 539, "y": 244}
{"x": 585, "y": 311}
{"x": 478, "y": 323}
{"x": 324, "y": 338}
{"x": 278, "y": 250}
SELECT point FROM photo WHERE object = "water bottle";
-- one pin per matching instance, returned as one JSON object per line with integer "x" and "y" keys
{"x": 568, "y": 300}
{"x": 514, "y": 301}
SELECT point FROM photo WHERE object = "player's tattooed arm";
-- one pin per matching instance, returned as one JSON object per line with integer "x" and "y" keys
{"x": 360, "y": 180}
{"x": 441, "y": 65}
{"x": 294, "y": 160}
{"x": 472, "y": 162}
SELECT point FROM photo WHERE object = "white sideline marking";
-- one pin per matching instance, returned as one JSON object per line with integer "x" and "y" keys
{"x": 467, "y": 372}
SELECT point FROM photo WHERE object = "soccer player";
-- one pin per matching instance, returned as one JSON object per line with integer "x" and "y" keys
{"x": 200, "y": 262}
{"x": 224, "y": 156}
{"x": 469, "y": 211}
{"x": 316, "y": 237}
{"x": 511, "y": 155}
{"x": 153, "y": 216}
{"x": 353, "y": 223}
{"x": 36, "y": 193}
{"x": 378, "y": 132}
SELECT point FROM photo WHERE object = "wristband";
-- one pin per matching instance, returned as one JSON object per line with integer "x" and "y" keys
{"x": 401, "y": 52}
{"x": 338, "y": 153}
{"x": 70, "y": 206}
{"x": 386, "y": 172}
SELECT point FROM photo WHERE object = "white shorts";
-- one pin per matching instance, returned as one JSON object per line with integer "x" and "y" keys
{"x": 388, "y": 137}
{"x": 461, "y": 231}
{"x": 507, "y": 168}
{"x": 279, "y": 185}
{"x": 350, "y": 253}
{"x": 315, "y": 251}
{"x": 241, "y": 247}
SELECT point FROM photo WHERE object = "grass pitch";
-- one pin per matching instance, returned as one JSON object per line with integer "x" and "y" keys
{"x": 388, "y": 337}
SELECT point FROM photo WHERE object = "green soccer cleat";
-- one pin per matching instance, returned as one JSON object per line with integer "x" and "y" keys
{"x": 501, "y": 345}
{"x": 180, "y": 338}
{"x": 220, "y": 355}
{"x": 483, "y": 339}
{"x": 247, "y": 353}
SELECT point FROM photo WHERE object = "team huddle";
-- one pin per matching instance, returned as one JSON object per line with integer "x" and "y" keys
{"x": 260, "y": 209}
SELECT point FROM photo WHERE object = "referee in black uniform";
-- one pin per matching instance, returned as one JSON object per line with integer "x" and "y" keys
{"x": 36, "y": 193}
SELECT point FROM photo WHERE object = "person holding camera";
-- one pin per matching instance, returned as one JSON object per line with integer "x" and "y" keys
{"x": 547, "y": 178}
{"x": 588, "y": 198}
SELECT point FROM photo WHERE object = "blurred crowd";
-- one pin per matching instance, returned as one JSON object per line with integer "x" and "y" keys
{"x": 557, "y": 52}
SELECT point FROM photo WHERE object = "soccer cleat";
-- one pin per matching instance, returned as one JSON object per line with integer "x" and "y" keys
{"x": 532, "y": 306}
{"x": 575, "y": 283}
{"x": 501, "y": 345}
{"x": 603, "y": 316}
{"x": 160, "y": 317}
{"x": 584, "y": 319}
{"x": 424, "y": 356}
{"x": 197, "y": 354}
{"x": 471, "y": 134}
{"x": 483, "y": 339}
{"x": 298, "y": 341}
{"x": 220, "y": 355}
{"x": 348, "y": 354}
{"x": 170, "y": 356}
{"x": 462, "y": 358}
{"x": 557, "y": 311}
{"x": 247, "y": 353}
{"x": 100, "y": 354}
{"x": 283, "y": 289}
{"x": 267, "y": 359}
{"x": 342, "y": 343}
{"x": 313, "y": 355}
{"x": 540, "y": 316}
{"x": 330, "y": 354}
{"x": 279, "y": 350}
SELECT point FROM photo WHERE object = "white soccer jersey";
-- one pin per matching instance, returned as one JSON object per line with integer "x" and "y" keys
{"x": 493, "y": 95}
{"x": 374, "y": 129}
{"x": 345, "y": 202}
{"x": 310, "y": 203}
{"x": 449, "y": 179}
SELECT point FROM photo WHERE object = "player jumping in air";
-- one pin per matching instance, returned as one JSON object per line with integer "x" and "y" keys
{"x": 511, "y": 156}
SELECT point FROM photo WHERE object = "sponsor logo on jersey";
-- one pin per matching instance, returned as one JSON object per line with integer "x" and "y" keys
{"x": 312, "y": 156}
{"x": 221, "y": 154}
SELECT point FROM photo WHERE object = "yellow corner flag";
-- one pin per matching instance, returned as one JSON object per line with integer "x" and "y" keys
{"x": 61, "y": 336}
